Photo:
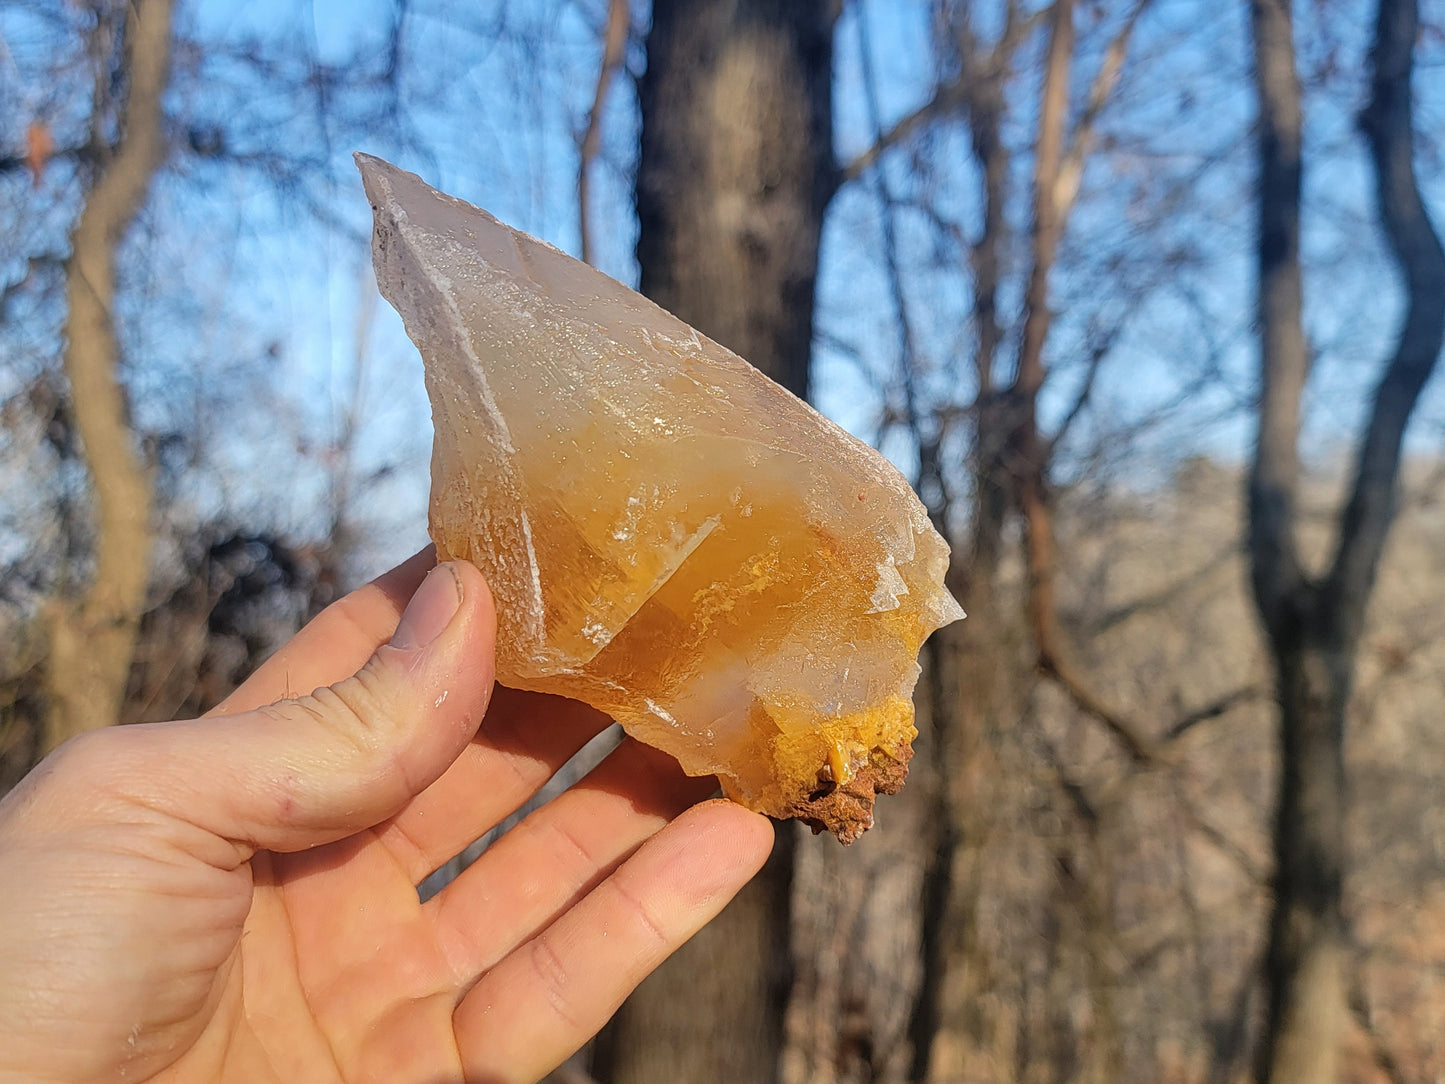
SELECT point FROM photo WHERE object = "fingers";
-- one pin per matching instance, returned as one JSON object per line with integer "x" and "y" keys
{"x": 525, "y": 738}
{"x": 308, "y": 771}
{"x": 549, "y": 996}
{"x": 336, "y": 642}
{"x": 553, "y": 858}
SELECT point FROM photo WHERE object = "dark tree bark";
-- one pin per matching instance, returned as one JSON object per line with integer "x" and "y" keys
{"x": 1313, "y": 624}
{"x": 93, "y": 637}
{"x": 735, "y": 172}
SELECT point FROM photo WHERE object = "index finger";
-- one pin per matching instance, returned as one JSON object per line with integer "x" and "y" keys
{"x": 336, "y": 642}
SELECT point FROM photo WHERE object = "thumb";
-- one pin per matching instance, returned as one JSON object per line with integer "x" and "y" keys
{"x": 302, "y": 772}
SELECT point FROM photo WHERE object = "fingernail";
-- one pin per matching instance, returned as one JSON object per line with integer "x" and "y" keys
{"x": 430, "y": 610}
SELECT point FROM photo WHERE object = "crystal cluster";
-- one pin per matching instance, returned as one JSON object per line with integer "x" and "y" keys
{"x": 669, "y": 535}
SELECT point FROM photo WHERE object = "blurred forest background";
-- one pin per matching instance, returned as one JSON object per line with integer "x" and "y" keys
{"x": 1143, "y": 294}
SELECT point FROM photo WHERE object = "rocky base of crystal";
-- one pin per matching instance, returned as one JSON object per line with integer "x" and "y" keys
{"x": 846, "y": 809}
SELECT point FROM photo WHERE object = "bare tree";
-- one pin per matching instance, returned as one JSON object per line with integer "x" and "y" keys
{"x": 975, "y": 673}
{"x": 1314, "y": 622}
{"x": 92, "y": 637}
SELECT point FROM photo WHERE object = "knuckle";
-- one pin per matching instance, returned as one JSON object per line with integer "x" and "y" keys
{"x": 574, "y": 862}
{"x": 91, "y": 775}
{"x": 364, "y": 715}
{"x": 641, "y": 916}
{"x": 551, "y": 976}
{"x": 89, "y": 757}
{"x": 360, "y": 709}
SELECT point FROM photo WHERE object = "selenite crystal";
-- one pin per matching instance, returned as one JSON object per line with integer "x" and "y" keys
{"x": 669, "y": 535}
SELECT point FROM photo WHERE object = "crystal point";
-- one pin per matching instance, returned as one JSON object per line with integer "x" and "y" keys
{"x": 669, "y": 535}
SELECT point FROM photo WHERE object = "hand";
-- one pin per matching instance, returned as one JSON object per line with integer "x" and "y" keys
{"x": 234, "y": 898}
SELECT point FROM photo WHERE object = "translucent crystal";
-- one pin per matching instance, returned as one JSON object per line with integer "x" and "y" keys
{"x": 669, "y": 535}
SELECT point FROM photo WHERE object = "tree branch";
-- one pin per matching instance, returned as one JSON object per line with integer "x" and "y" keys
{"x": 1059, "y": 665}
{"x": 1071, "y": 173}
{"x": 614, "y": 46}
{"x": 986, "y": 113}
{"x": 1220, "y": 705}
{"x": 946, "y": 100}
{"x": 929, "y": 468}
{"x": 1048, "y": 222}
{"x": 1388, "y": 123}
{"x": 1384, "y": 1060}
{"x": 1029, "y": 451}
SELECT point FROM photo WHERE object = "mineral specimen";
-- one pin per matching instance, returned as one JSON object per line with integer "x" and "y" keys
{"x": 669, "y": 535}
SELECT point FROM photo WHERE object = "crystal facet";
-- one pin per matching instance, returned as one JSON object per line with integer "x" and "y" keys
{"x": 669, "y": 535}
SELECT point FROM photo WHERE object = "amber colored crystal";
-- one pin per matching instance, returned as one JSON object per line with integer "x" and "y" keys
{"x": 669, "y": 535}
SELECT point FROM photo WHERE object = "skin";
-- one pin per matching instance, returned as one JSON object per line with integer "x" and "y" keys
{"x": 234, "y": 898}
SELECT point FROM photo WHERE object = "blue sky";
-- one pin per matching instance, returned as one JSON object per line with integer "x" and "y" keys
{"x": 503, "y": 137}
{"x": 491, "y": 98}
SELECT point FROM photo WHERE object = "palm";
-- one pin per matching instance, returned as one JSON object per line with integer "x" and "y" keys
{"x": 316, "y": 960}
{"x": 340, "y": 954}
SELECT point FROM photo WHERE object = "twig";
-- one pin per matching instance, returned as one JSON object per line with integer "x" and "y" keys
{"x": 1097, "y": 355}
{"x": 1360, "y": 1010}
{"x": 1226, "y": 846}
{"x": 1071, "y": 172}
{"x": 1157, "y": 599}
{"x": 946, "y": 99}
{"x": 1214, "y": 709}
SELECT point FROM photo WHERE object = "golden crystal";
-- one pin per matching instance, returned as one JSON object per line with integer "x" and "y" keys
{"x": 669, "y": 535}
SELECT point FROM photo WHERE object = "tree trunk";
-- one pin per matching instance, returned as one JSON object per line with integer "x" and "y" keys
{"x": 736, "y": 170}
{"x": 734, "y": 175}
{"x": 973, "y": 679}
{"x": 92, "y": 638}
{"x": 968, "y": 667}
{"x": 1306, "y": 954}
{"x": 1314, "y": 625}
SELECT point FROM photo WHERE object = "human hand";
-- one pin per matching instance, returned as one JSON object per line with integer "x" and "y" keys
{"x": 234, "y": 898}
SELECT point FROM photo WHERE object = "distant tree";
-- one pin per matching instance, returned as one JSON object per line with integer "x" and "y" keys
{"x": 978, "y": 670}
{"x": 1314, "y": 621}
